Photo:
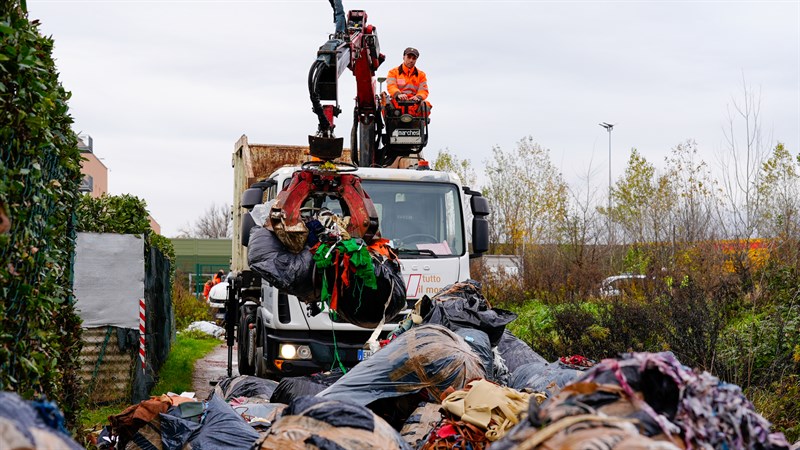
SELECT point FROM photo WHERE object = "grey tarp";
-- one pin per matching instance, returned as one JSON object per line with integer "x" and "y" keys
{"x": 428, "y": 357}
{"x": 109, "y": 279}
{"x": 324, "y": 424}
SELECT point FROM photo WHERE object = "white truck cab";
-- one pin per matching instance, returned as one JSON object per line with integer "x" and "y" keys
{"x": 423, "y": 214}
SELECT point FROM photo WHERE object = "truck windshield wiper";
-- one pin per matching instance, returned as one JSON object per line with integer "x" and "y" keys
{"x": 414, "y": 251}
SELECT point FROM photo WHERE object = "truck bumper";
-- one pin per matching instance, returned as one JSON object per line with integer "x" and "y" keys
{"x": 348, "y": 344}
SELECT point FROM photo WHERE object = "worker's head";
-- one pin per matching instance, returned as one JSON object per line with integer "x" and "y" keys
{"x": 410, "y": 56}
{"x": 221, "y": 273}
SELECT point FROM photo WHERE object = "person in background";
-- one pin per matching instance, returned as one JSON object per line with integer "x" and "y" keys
{"x": 216, "y": 279}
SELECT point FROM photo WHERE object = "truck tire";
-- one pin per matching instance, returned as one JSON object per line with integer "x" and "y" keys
{"x": 261, "y": 364}
{"x": 246, "y": 338}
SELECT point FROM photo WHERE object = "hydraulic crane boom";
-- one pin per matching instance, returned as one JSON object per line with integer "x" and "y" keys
{"x": 357, "y": 49}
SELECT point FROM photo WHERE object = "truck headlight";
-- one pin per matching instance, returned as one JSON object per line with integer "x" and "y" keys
{"x": 291, "y": 351}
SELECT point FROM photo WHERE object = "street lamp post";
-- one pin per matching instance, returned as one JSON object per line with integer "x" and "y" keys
{"x": 608, "y": 127}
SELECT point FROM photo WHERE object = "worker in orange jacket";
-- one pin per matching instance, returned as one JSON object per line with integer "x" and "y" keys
{"x": 407, "y": 82}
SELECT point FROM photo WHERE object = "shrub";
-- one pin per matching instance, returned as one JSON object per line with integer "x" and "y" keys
{"x": 188, "y": 308}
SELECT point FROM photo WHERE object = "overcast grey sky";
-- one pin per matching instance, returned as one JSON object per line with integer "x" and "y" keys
{"x": 165, "y": 88}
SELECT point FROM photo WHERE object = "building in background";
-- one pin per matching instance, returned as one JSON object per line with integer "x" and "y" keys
{"x": 199, "y": 259}
{"x": 95, "y": 174}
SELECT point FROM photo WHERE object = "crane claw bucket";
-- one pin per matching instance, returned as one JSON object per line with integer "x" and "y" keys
{"x": 325, "y": 148}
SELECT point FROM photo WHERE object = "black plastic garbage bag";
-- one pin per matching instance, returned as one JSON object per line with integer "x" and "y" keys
{"x": 542, "y": 377}
{"x": 246, "y": 386}
{"x": 516, "y": 352}
{"x": 291, "y": 388}
{"x": 283, "y": 269}
{"x": 358, "y": 303}
{"x": 32, "y": 424}
{"x": 478, "y": 341}
{"x": 175, "y": 432}
{"x": 643, "y": 400}
{"x": 222, "y": 429}
{"x": 325, "y": 424}
{"x": 427, "y": 358}
{"x": 461, "y": 305}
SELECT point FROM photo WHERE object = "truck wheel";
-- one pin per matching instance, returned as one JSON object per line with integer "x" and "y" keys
{"x": 261, "y": 364}
{"x": 247, "y": 348}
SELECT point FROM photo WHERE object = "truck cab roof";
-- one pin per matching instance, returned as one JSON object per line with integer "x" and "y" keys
{"x": 371, "y": 173}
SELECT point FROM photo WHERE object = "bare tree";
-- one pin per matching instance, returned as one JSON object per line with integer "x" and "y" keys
{"x": 695, "y": 194}
{"x": 741, "y": 163}
{"x": 215, "y": 223}
{"x": 583, "y": 227}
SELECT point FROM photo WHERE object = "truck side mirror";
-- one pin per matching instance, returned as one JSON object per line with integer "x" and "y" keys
{"x": 479, "y": 206}
{"x": 480, "y": 235}
{"x": 252, "y": 197}
{"x": 247, "y": 224}
{"x": 480, "y": 225}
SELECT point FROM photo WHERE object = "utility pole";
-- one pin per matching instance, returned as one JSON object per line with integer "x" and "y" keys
{"x": 608, "y": 128}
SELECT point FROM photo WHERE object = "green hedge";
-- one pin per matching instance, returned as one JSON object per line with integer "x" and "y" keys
{"x": 123, "y": 214}
{"x": 39, "y": 178}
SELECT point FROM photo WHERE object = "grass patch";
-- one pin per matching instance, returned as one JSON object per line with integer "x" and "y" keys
{"x": 96, "y": 417}
{"x": 532, "y": 316}
{"x": 176, "y": 373}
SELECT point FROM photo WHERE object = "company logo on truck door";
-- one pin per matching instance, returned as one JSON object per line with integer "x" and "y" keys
{"x": 418, "y": 285}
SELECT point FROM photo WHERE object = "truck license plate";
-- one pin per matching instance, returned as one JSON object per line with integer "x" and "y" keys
{"x": 363, "y": 355}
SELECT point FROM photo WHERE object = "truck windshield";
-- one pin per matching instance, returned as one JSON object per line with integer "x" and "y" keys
{"x": 422, "y": 218}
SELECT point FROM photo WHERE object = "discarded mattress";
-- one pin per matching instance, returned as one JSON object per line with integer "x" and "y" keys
{"x": 32, "y": 424}
{"x": 427, "y": 358}
{"x": 646, "y": 400}
{"x": 461, "y": 305}
{"x": 316, "y": 423}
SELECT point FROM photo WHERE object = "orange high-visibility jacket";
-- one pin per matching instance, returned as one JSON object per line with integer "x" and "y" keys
{"x": 401, "y": 81}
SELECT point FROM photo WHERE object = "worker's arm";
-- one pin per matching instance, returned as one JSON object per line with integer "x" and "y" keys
{"x": 391, "y": 83}
{"x": 422, "y": 91}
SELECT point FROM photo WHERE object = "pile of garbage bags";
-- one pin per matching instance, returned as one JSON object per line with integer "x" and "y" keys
{"x": 644, "y": 400}
{"x": 455, "y": 379}
{"x": 359, "y": 282}
{"x": 32, "y": 425}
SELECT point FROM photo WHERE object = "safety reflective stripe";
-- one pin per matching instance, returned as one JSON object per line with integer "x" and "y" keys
{"x": 410, "y": 86}
{"x": 391, "y": 80}
{"x": 423, "y": 85}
